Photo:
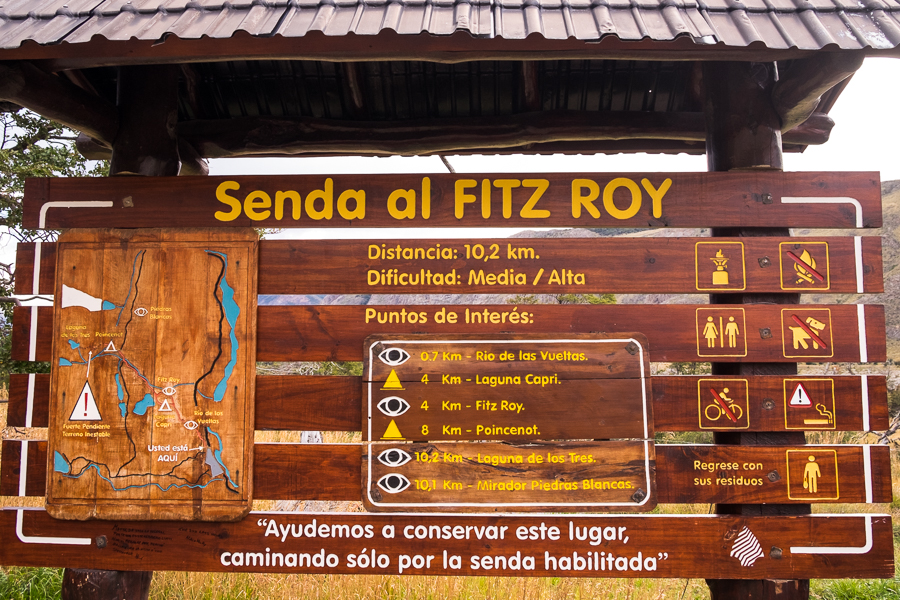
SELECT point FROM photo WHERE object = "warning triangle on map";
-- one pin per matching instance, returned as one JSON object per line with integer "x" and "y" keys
{"x": 165, "y": 406}
{"x": 86, "y": 407}
{"x": 393, "y": 382}
{"x": 392, "y": 432}
{"x": 800, "y": 397}
{"x": 110, "y": 347}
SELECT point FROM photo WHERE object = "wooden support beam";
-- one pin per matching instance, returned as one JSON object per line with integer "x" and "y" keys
{"x": 59, "y": 99}
{"x": 268, "y": 136}
{"x": 531, "y": 91}
{"x": 354, "y": 88}
{"x": 148, "y": 105}
{"x": 744, "y": 132}
{"x": 803, "y": 82}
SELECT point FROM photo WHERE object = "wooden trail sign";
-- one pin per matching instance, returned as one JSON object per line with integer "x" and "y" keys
{"x": 151, "y": 404}
{"x": 483, "y": 477}
{"x": 330, "y": 472}
{"x": 827, "y": 546}
{"x": 536, "y": 266}
{"x": 511, "y": 388}
{"x": 759, "y": 199}
{"x": 332, "y": 402}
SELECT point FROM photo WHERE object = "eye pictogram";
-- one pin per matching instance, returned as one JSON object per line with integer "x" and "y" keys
{"x": 191, "y": 425}
{"x": 141, "y": 311}
{"x": 393, "y": 406}
{"x": 393, "y": 483}
{"x": 394, "y": 356}
{"x": 394, "y": 457}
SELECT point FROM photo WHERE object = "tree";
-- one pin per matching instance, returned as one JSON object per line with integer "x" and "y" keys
{"x": 31, "y": 146}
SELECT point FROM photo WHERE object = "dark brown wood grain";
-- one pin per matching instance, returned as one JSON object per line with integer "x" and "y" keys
{"x": 337, "y": 332}
{"x": 630, "y": 265}
{"x": 608, "y": 476}
{"x": 668, "y": 546}
{"x": 694, "y": 200}
{"x": 551, "y": 266}
{"x": 331, "y": 472}
{"x": 331, "y": 403}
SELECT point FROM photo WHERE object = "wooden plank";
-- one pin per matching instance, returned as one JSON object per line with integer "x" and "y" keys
{"x": 763, "y": 403}
{"x": 151, "y": 403}
{"x": 552, "y": 266}
{"x": 631, "y": 265}
{"x": 511, "y": 387}
{"x": 331, "y": 403}
{"x": 331, "y": 472}
{"x": 773, "y": 474}
{"x": 609, "y": 476}
{"x": 827, "y": 546}
{"x": 675, "y": 332}
{"x": 748, "y": 199}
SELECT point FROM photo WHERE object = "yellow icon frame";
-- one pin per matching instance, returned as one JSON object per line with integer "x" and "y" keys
{"x": 721, "y": 288}
{"x": 781, "y": 252}
{"x": 720, "y": 310}
{"x": 807, "y": 452}
{"x": 745, "y": 406}
{"x": 785, "y": 347}
{"x": 788, "y": 390}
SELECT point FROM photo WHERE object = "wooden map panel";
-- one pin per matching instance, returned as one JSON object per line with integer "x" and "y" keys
{"x": 827, "y": 546}
{"x": 331, "y": 472}
{"x": 151, "y": 403}
{"x": 758, "y": 199}
{"x": 485, "y": 477}
{"x": 553, "y": 266}
{"x": 426, "y": 387}
{"x": 332, "y": 402}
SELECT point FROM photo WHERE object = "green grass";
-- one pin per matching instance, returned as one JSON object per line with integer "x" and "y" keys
{"x": 855, "y": 589}
{"x": 22, "y": 583}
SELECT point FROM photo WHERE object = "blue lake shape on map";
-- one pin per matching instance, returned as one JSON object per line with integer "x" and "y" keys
{"x": 141, "y": 407}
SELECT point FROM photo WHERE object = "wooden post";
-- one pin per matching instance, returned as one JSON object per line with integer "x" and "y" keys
{"x": 145, "y": 145}
{"x": 148, "y": 109}
{"x": 744, "y": 132}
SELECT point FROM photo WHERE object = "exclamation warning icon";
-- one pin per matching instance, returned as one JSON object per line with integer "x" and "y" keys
{"x": 393, "y": 382}
{"x": 800, "y": 397}
{"x": 86, "y": 407}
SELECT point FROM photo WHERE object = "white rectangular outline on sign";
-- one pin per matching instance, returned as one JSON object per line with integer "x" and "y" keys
{"x": 510, "y": 504}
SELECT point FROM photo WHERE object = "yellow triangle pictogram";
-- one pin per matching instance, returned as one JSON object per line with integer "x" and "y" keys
{"x": 393, "y": 382}
{"x": 392, "y": 432}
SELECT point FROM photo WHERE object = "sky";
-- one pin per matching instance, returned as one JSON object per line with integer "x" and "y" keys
{"x": 865, "y": 138}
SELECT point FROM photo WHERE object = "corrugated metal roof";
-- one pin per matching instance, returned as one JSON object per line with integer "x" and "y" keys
{"x": 778, "y": 24}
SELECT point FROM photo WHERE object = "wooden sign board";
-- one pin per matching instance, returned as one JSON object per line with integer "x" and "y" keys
{"x": 758, "y": 199}
{"x": 151, "y": 404}
{"x": 332, "y": 402}
{"x": 329, "y": 472}
{"x": 553, "y": 266}
{"x": 704, "y": 333}
{"x": 802, "y": 547}
{"x": 511, "y": 388}
{"x": 483, "y": 477}
{"x": 774, "y": 474}
{"x": 676, "y": 332}
{"x": 770, "y": 403}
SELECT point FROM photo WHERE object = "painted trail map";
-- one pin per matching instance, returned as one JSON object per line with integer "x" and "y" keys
{"x": 153, "y": 375}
